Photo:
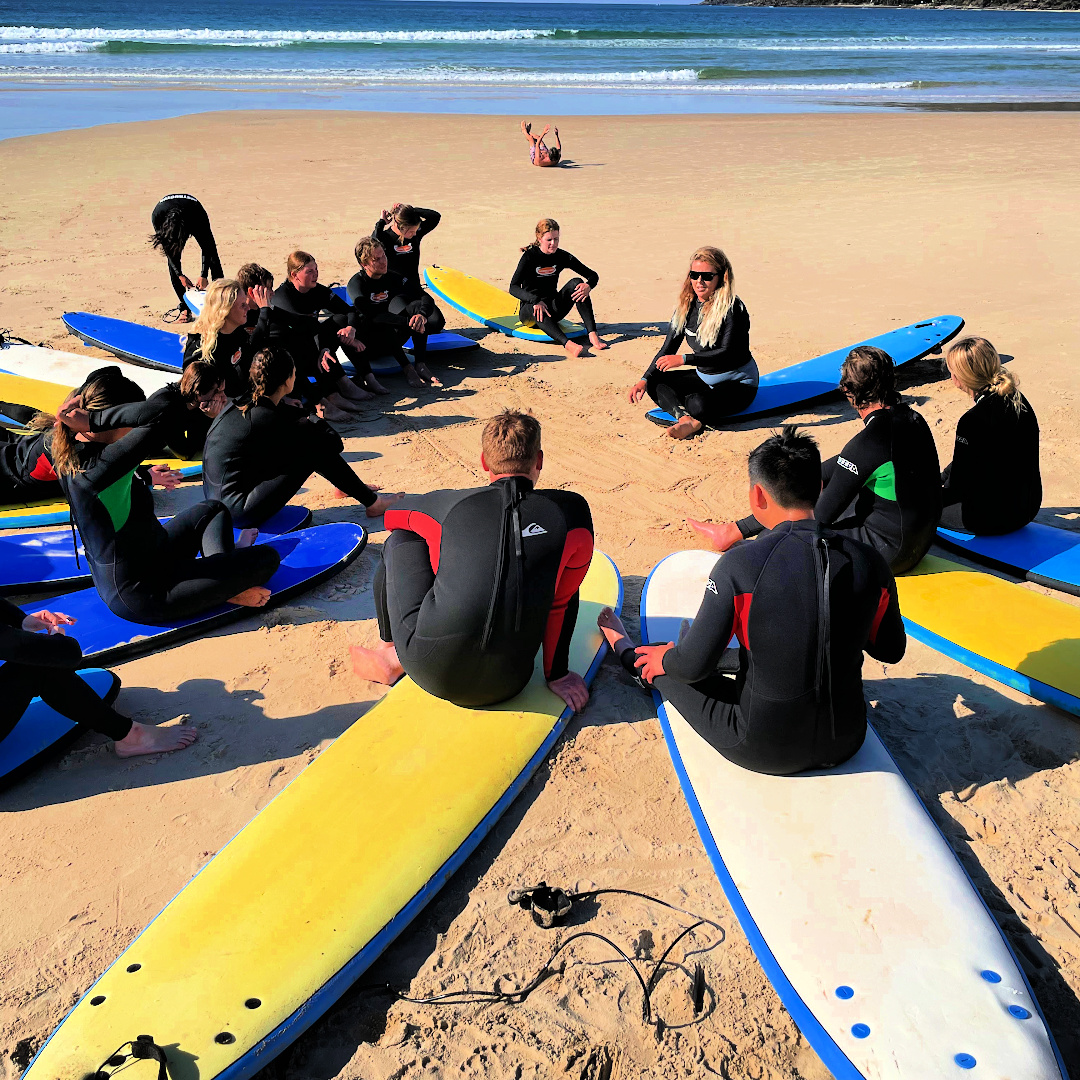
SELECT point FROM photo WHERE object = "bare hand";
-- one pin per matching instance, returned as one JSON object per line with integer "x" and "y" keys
{"x": 386, "y": 215}
{"x": 382, "y": 503}
{"x": 418, "y": 323}
{"x": 581, "y": 292}
{"x": 720, "y": 535}
{"x": 572, "y": 689}
{"x": 200, "y": 285}
{"x": 260, "y": 295}
{"x": 74, "y": 417}
{"x": 347, "y": 334}
{"x": 666, "y": 363}
{"x": 213, "y": 405}
{"x": 637, "y": 391}
{"x": 540, "y": 311}
{"x": 186, "y": 282}
{"x": 547, "y": 128}
{"x": 51, "y": 621}
{"x": 163, "y": 476}
{"x": 326, "y": 360}
{"x": 650, "y": 660}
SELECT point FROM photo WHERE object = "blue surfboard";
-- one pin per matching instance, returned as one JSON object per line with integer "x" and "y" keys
{"x": 33, "y": 562}
{"x": 41, "y": 731}
{"x": 1039, "y": 553}
{"x": 307, "y": 557}
{"x": 144, "y": 345}
{"x": 811, "y": 380}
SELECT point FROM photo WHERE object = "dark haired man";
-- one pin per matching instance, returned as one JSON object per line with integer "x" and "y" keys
{"x": 883, "y": 487}
{"x": 474, "y": 582}
{"x": 804, "y": 603}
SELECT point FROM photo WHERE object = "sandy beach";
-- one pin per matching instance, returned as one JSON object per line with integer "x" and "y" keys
{"x": 838, "y": 227}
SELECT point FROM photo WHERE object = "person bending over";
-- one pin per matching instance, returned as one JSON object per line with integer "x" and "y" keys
{"x": 804, "y": 603}
{"x": 536, "y": 284}
{"x": 317, "y": 323}
{"x": 883, "y": 488}
{"x": 176, "y": 219}
{"x": 474, "y": 582}
{"x": 259, "y": 453}
{"x": 144, "y": 571}
{"x": 539, "y": 153}
{"x": 220, "y": 335}
{"x": 714, "y": 322}
{"x": 400, "y": 230}
{"x": 993, "y": 484}
{"x": 40, "y": 661}
{"x": 391, "y": 310}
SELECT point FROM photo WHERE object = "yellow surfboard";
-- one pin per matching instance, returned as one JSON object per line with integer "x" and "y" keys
{"x": 296, "y": 907}
{"x": 486, "y": 304}
{"x": 32, "y": 393}
{"x": 1019, "y": 637}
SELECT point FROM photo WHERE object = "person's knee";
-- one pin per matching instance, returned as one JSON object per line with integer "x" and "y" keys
{"x": 265, "y": 560}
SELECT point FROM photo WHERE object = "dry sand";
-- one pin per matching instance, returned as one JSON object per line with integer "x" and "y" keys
{"x": 838, "y": 226}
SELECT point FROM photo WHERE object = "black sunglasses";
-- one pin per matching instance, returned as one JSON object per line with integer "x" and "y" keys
{"x": 702, "y": 275}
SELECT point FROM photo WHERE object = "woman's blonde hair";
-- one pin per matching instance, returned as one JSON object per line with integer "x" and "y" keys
{"x": 545, "y": 224}
{"x": 104, "y": 389}
{"x": 220, "y": 298}
{"x": 713, "y": 311}
{"x": 977, "y": 367}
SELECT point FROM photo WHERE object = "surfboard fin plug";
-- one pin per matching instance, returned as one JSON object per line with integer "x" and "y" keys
{"x": 548, "y": 906}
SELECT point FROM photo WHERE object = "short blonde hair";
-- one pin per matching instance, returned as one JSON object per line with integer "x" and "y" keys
{"x": 511, "y": 442}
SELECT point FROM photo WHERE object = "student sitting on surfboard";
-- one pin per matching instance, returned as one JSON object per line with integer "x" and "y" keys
{"x": 39, "y": 660}
{"x": 536, "y": 284}
{"x": 714, "y": 322}
{"x": 473, "y": 582}
{"x": 317, "y": 323}
{"x": 400, "y": 230}
{"x": 391, "y": 310}
{"x": 993, "y": 484}
{"x": 804, "y": 603}
{"x": 261, "y": 451}
{"x": 145, "y": 571}
{"x": 176, "y": 219}
{"x": 884, "y": 487}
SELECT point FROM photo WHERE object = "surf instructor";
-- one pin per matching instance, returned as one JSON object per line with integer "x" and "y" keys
{"x": 474, "y": 582}
{"x": 176, "y": 219}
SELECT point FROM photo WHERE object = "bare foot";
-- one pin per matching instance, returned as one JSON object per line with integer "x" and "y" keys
{"x": 413, "y": 378}
{"x": 425, "y": 373}
{"x": 611, "y": 626}
{"x": 144, "y": 739}
{"x": 247, "y": 537}
{"x": 597, "y": 344}
{"x": 684, "y": 428}
{"x": 349, "y": 390}
{"x": 340, "y": 401}
{"x": 375, "y": 386}
{"x": 721, "y": 535}
{"x": 382, "y": 504}
{"x": 256, "y": 596}
{"x": 526, "y": 128}
{"x": 185, "y": 316}
{"x": 380, "y": 664}
{"x": 333, "y": 414}
{"x": 574, "y": 349}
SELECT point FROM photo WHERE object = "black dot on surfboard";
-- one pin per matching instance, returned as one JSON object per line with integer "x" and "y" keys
{"x": 252, "y": 1003}
{"x": 97, "y": 1000}
{"x": 224, "y": 1037}
{"x": 133, "y": 968}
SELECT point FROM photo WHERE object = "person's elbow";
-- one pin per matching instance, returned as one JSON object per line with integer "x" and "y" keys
{"x": 889, "y": 649}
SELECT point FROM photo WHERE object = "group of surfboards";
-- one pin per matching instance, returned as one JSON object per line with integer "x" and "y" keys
{"x": 473, "y": 584}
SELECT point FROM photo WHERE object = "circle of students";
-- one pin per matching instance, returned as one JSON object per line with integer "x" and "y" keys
{"x": 473, "y": 583}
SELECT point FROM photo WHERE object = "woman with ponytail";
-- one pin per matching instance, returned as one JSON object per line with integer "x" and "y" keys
{"x": 536, "y": 284}
{"x": 723, "y": 376}
{"x": 220, "y": 335}
{"x": 993, "y": 484}
{"x": 144, "y": 571}
{"x": 261, "y": 451}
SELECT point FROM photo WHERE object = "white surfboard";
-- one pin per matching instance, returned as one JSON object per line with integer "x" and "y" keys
{"x": 71, "y": 369}
{"x": 868, "y": 927}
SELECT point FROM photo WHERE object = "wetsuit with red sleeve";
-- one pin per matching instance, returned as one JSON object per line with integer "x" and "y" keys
{"x": 804, "y": 603}
{"x": 474, "y": 582}
{"x": 26, "y": 468}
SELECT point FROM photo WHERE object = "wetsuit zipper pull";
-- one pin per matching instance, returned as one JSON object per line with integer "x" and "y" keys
{"x": 74, "y": 542}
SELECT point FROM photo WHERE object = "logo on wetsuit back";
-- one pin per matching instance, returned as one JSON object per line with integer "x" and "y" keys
{"x": 380, "y": 297}
{"x": 546, "y": 271}
{"x": 403, "y": 249}
{"x": 845, "y": 464}
{"x": 534, "y": 530}
{"x": 710, "y": 585}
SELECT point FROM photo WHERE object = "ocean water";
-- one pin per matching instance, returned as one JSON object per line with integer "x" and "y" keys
{"x": 499, "y": 57}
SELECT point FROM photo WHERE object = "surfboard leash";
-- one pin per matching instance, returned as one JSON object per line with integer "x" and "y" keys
{"x": 143, "y": 1047}
{"x": 8, "y": 338}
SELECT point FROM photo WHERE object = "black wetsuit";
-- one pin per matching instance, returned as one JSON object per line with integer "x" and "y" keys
{"x": 722, "y": 378}
{"x": 404, "y": 255}
{"x": 474, "y": 582}
{"x": 26, "y": 469}
{"x": 883, "y": 488}
{"x": 145, "y": 571}
{"x": 44, "y": 665}
{"x": 198, "y": 226}
{"x": 796, "y": 701}
{"x": 384, "y": 306}
{"x": 255, "y": 461}
{"x": 182, "y": 430}
{"x": 993, "y": 484}
{"x": 536, "y": 279}
{"x": 306, "y": 334}
{"x": 233, "y": 352}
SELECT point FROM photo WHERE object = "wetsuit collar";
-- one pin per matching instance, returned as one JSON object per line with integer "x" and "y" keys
{"x": 524, "y": 483}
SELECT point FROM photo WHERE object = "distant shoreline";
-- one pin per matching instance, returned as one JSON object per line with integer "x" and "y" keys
{"x": 1063, "y": 6}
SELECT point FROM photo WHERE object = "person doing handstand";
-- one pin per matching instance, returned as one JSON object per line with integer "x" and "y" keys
{"x": 474, "y": 582}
